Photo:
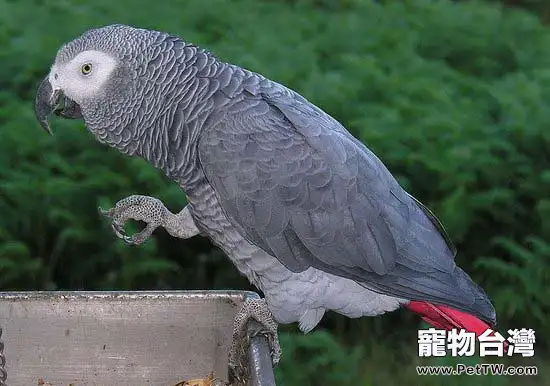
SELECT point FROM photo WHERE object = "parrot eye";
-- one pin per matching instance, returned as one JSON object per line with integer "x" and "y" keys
{"x": 86, "y": 68}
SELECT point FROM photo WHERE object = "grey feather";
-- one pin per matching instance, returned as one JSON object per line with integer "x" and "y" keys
{"x": 305, "y": 190}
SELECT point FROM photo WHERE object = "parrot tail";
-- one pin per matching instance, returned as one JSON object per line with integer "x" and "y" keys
{"x": 443, "y": 317}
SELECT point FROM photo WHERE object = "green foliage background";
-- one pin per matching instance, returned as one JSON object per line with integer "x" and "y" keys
{"x": 452, "y": 95}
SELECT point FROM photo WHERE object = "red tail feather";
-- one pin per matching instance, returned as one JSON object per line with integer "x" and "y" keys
{"x": 443, "y": 317}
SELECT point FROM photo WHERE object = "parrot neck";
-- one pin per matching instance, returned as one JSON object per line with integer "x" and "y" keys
{"x": 168, "y": 139}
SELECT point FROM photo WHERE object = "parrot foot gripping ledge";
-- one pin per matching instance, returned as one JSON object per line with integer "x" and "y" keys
{"x": 156, "y": 338}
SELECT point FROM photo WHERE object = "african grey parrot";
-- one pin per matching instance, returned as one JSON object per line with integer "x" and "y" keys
{"x": 302, "y": 208}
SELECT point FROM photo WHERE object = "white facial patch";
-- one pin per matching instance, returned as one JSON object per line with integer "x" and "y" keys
{"x": 84, "y": 76}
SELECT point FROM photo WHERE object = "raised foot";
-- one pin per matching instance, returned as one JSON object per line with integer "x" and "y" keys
{"x": 238, "y": 354}
{"x": 153, "y": 212}
{"x": 140, "y": 208}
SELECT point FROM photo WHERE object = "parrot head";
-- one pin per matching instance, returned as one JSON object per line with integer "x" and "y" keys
{"x": 100, "y": 78}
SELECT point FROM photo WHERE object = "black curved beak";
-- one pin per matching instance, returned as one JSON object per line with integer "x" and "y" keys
{"x": 50, "y": 101}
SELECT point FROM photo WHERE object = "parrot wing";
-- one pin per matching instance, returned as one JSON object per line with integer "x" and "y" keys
{"x": 298, "y": 185}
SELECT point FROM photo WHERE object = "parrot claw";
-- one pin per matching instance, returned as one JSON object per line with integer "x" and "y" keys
{"x": 118, "y": 230}
{"x": 136, "y": 239}
{"x": 106, "y": 212}
{"x": 129, "y": 240}
{"x": 141, "y": 208}
{"x": 255, "y": 309}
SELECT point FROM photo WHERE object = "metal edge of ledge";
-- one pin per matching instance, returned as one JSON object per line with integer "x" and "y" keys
{"x": 30, "y": 295}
